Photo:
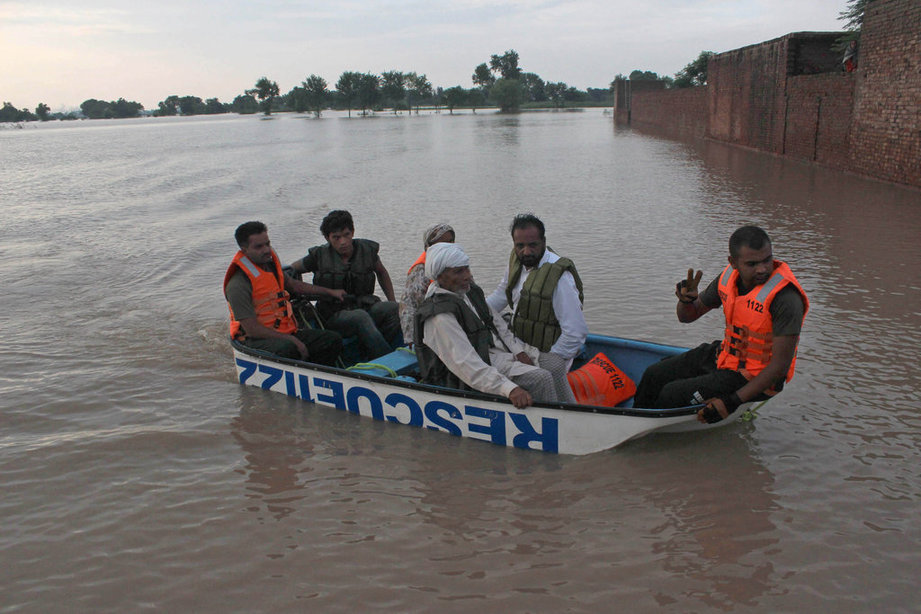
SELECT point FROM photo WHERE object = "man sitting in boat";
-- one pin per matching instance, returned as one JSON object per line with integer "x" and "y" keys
{"x": 350, "y": 264}
{"x": 764, "y": 307}
{"x": 461, "y": 343}
{"x": 416, "y": 281}
{"x": 544, "y": 293}
{"x": 257, "y": 293}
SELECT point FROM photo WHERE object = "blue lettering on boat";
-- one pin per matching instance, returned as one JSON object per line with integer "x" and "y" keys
{"x": 433, "y": 411}
{"x": 356, "y": 393}
{"x": 438, "y": 414}
{"x": 336, "y": 399}
{"x": 395, "y": 399}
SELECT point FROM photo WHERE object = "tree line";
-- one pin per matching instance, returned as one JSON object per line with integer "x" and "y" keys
{"x": 499, "y": 82}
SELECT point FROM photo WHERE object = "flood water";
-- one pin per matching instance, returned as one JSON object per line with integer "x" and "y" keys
{"x": 138, "y": 475}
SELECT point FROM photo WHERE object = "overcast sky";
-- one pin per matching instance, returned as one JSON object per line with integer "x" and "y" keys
{"x": 62, "y": 53}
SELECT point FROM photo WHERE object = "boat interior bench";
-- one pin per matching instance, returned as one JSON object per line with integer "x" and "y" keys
{"x": 398, "y": 364}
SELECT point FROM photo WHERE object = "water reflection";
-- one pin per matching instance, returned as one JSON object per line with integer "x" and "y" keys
{"x": 717, "y": 527}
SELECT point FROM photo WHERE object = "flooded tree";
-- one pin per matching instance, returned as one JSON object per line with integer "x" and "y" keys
{"x": 266, "y": 91}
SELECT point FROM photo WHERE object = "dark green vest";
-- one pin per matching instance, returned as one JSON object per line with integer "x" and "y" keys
{"x": 535, "y": 321}
{"x": 356, "y": 276}
{"x": 478, "y": 326}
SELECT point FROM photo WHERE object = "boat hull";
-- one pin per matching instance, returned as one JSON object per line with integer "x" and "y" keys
{"x": 565, "y": 429}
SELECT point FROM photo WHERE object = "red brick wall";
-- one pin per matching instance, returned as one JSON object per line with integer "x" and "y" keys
{"x": 746, "y": 95}
{"x": 773, "y": 96}
{"x": 682, "y": 111}
{"x": 818, "y": 118}
{"x": 886, "y": 130}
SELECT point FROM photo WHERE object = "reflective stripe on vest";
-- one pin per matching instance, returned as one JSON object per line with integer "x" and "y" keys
{"x": 270, "y": 300}
{"x": 748, "y": 337}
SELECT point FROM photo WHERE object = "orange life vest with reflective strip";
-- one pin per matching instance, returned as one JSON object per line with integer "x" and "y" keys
{"x": 271, "y": 300}
{"x": 748, "y": 340}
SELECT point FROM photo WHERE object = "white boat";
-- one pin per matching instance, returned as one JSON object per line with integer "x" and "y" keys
{"x": 385, "y": 390}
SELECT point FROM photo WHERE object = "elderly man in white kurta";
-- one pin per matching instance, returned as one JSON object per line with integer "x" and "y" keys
{"x": 461, "y": 342}
{"x": 544, "y": 293}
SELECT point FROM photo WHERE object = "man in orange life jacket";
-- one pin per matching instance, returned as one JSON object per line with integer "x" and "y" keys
{"x": 257, "y": 293}
{"x": 764, "y": 306}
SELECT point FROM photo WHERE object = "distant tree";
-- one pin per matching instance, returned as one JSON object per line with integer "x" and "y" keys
{"x": 454, "y": 97}
{"x": 643, "y": 75}
{"x": 393, "y": 88}
{"x": 506, "y": 65}
{"x": 853, "y": 14}
{"x": 418, "y": 88}
{"x": 853, "y": 18}
{"x": 266, "y": 91}
{"x": 126, "y": 108}
{"x": 168, "y": 106}
{"x": 297, "y": 99}
{"x": 596, "y": 94}
{"x": 191, "y": 105}
{"x": 695, "y": 73}
{"x": 96, "y": 109}
{"x": 534, "y": 87}
{"x": 483, "y": 77}
{"x": 9, "y": 113}
{"x": 42, "y": 111}
{"x": 316, "y": 94}
{"x": 556, "y": 93}
{"x": 475, "y": 98}
{"x": 369, "y": 92}
{"x": 347, "y": 86}
{"x": 213, "y": 106}
{"x": 245, "y": 104}
{"x": 574, "y": 95}
{"x": 507, "y": 95}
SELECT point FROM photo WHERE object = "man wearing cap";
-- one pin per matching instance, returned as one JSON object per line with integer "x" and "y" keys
{"x": 461, "y": 343}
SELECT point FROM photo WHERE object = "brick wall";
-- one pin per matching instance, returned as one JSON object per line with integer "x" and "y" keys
{"x": 886, "y": 128}
{"x": 818, "y": 118}
{"x": 789, "y": 96}
{"x": 679, "y": 110}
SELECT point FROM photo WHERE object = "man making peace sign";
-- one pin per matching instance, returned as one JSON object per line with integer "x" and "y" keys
{"x": 764, "y": 306}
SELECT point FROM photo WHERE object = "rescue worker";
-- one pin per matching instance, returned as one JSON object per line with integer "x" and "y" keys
{"x": 544, "y": 293}
{"x": 351, "y": 265}
{"x": 257, "y": 293}
{"x": 764, "y": 306}
{"x": 461, "y": 343}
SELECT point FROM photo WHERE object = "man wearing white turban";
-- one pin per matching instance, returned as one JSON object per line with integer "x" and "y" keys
{"x": 461, "y": 343}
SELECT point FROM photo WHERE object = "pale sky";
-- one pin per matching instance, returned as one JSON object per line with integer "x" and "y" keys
{"x": 62, "y": 53}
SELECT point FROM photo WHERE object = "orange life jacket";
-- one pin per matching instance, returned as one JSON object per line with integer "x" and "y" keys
{"x": 748, "y": 340}
{"x": 271, "y": 300}
{"x": 419, "y": 260}
{"x": 600, "y": 382}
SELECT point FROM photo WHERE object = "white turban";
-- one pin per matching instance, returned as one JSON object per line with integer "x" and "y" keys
{"x": 443, "y": 256}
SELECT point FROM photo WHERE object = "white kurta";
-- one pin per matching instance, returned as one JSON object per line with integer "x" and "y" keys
{"x": 445, "y": 336}
{"x": 566, "y": 307}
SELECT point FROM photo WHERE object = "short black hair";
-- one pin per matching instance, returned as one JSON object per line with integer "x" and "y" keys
{"x": 750, "y": 236}
{"x": 335, "y": 221}
{"x": 246, "y": 230}
{"x": 526, "y": 220}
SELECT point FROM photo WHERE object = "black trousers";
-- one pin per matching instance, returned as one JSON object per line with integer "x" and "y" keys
{"x": 672, "y": 381}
